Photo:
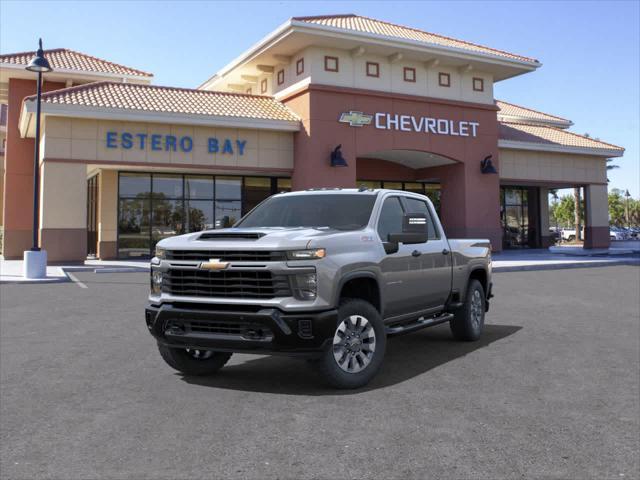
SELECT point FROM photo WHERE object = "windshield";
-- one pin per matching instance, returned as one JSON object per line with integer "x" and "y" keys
{"x": 341, "y": 211}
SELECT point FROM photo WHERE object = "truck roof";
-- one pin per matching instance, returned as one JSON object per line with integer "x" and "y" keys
{"x": 341, "y": 191}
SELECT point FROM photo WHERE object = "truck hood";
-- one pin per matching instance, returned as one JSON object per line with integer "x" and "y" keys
{"x": 251, "y": 239}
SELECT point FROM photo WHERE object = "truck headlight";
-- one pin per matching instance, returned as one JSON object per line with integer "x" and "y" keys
{"x": 160, "y": 254}
{"x": 311, "y": 254}
{"x": 305, "y": 286}
{"x": 156, "y": 282}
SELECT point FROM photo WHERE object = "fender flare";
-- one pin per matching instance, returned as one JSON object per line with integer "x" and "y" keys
{"x": 360, "y": 274}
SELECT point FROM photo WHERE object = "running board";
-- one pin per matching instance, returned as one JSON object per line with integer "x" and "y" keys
{"x": 418, "y": 324}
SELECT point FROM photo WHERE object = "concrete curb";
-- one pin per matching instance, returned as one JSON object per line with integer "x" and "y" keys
{"x": 564, "y": 266}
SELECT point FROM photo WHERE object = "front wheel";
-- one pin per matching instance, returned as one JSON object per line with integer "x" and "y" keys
{"x": 468, "y": 321}
{"x": 193, "y": 361}
{"x": 358, "y": 346}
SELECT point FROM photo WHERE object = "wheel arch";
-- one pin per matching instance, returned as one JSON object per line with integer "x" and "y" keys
{"x": 363, "y": 285}
{"x": 480, "y": 274}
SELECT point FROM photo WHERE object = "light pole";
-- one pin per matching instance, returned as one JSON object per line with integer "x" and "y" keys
{"x": 35, "y": 260}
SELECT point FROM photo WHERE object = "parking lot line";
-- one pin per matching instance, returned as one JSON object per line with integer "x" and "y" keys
{"x": 75, "y": 280}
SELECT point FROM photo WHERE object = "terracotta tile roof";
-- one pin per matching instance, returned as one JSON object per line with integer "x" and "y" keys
{"x": 152, "y": 98}
{"x": 517, "y": 132}
{"x": 65, "y": 59}
{"x": 370, "y": 25}
{"x": 513, "y": 110}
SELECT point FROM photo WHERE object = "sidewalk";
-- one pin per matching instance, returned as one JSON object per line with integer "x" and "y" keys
{"x": 11, "y": 270}
{"x": 545, "y": 259}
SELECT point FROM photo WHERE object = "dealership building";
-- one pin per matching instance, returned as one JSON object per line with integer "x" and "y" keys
{"x": 330, "y": 101}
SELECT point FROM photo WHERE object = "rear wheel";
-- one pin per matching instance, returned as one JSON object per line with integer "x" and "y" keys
{"x": 192, "y": 361}
{"x": 468, "y": 321}
{"x": 358, "y": 346}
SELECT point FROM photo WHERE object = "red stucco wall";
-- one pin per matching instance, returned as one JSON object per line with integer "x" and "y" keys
{"x": 18, "y": 178}
{"x": 470, "y": 200}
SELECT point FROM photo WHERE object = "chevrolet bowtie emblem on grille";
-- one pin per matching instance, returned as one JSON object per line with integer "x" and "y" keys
{"x": 356, "y": 119}
{"x": 214, "y": 264}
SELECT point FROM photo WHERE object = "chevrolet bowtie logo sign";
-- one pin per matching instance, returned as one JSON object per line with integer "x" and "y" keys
{"x": 356, "y": 119}
{"x": 214, "y": 264}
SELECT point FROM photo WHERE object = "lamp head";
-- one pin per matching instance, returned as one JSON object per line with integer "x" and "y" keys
{"x": 337, "y": 160}
{"x": 39, "y": 62}
{"x": 486, "y": 166}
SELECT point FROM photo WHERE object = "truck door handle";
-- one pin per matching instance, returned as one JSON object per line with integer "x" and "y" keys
{"x": 445, "y": 252}
{"x": 416, "y": 253}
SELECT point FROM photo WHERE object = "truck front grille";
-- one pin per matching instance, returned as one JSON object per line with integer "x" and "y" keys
{"x": 227, "y": 255}
{"x": 229, "y": 284}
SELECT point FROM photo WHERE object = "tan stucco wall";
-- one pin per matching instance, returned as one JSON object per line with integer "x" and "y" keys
{"x": 108, "y": 206}
{"x": 597, "y": 212}
{"x": 80, "y": 139}
{"x": 63, "y": 195}
{"x": 552, "y": 167}
{"x": 352, "y": 74}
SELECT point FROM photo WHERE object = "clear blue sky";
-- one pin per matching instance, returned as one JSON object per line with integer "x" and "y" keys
{"x": 589, "y": 50}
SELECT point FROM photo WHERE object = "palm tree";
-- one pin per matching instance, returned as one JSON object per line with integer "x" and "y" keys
{"x": 611, "y": 167}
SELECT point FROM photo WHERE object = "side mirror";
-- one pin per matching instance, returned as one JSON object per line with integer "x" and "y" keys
{"x": 414, "y": 229}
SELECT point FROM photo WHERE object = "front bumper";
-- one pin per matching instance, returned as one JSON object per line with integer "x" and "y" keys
{"x": 242, "y": 329}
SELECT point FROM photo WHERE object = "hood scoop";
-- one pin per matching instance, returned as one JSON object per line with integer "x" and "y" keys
{"x": 230, "y": 236}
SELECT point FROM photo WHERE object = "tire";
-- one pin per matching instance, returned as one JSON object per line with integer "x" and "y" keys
{"x": 571, "y": 238}
{"x": 353, "y": 361}
{"x": 194, "y": 362}
{"x": 468, "y": 321}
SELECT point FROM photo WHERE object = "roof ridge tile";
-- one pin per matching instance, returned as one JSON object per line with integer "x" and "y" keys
{"x": 424, "y": 32}
{"x": 533, "y": 110}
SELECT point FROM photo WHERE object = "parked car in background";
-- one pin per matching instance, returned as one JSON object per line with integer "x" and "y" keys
{"x": 619, "y": 234}
{"x": 569, "y": 234}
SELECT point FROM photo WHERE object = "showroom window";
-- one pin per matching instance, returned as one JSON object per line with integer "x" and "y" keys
{"x": 156, "y": 206}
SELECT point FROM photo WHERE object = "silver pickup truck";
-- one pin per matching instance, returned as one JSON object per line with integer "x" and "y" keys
{"x": 325, "y": 275}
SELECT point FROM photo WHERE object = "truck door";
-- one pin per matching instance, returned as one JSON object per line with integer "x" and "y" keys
{"x": 433, "y": 259}
{"x": 403, "y": 281}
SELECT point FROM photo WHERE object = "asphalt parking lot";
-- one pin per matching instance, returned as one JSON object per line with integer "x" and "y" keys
{"x": 551, "y": 391}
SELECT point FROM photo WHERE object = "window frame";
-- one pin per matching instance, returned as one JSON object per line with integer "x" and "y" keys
{"x": 436, "y": 228}
{"x": 327, "y": 59}
{"x": 300, "y": 66}
{"x": 379, "y": 213}
{"x": 480, "y": 82}
{"x": 444, "y": 75}
{"x": 377, "y": 67}
{"x": 280, "y": 76}
{"x": 263, "y": 85}
{"x": 407, "y": 70}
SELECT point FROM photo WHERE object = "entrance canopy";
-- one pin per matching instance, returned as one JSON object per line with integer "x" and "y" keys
{"x": 410, "y": 158}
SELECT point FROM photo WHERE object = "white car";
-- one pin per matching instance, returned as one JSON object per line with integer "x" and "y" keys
{"x": 617, "y": 234}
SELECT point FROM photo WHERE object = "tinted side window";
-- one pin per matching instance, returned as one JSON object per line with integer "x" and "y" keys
{"x": 418, "y": 206}
{"x": 390, "y": 220}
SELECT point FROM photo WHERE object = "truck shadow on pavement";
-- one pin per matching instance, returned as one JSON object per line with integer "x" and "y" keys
{"x": 406, "y": 357}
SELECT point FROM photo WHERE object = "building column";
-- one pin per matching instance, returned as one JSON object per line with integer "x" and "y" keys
{"x": 63, "y": 211}
{"x": 546, "y": 239}
{"x": 18, "y": 173}
{"x": 469, "y": 202}
{"x": 596, "y": 216}
{"x": 107, "y": 214}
